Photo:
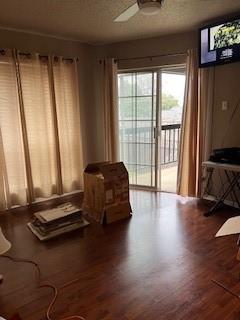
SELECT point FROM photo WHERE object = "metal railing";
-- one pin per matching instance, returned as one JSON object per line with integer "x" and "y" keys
{"x": 170, "y": 143}
{"x": 137, "y": 146}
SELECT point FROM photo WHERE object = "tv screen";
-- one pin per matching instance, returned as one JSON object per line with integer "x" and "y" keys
{"x": 220, "y": 43}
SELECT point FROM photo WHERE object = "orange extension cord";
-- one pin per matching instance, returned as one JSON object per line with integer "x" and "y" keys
{"x": 46, "y": 285}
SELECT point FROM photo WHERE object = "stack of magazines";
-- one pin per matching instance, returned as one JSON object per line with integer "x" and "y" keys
{"x": 48, "y": 224}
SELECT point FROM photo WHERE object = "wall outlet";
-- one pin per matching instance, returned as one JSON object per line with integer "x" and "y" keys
{"x": 224, "y": 105}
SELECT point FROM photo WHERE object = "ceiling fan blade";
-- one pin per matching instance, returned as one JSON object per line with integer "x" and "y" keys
{"x": 127, "y": 14}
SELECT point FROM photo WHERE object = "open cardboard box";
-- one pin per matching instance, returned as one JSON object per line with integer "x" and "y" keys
{"x": 106, "y": 192}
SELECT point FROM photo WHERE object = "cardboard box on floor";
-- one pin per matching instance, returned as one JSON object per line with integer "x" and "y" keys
{"x": 106, "y": 191}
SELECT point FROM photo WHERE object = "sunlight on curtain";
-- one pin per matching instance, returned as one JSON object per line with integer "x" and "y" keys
{"x": 109, "y": 96}
{"x": 13, "y": 183}
{"x": 40, "y": 134}
{"x": 195, "y": 142}
{"x": 39, "y": 123}
{"x": 68, "y": 116}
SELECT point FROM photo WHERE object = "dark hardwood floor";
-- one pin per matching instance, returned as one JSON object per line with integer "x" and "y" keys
{"x": 157, "y": 265}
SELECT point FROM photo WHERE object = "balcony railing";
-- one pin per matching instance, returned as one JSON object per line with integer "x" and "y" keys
{"x": 137, "y": 146}
{"x": 170, "y": 143}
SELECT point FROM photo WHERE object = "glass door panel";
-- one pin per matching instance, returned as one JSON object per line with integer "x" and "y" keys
{"x": 148, "y": 101}
{"x": 172, "y": 88}
{"x": 137, "y": 121}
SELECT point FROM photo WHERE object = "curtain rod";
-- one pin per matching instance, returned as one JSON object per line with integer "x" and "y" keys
{"x": 152, "y": 57}
{"x": 45, "y": 56}
{"x": 2, "y": 51}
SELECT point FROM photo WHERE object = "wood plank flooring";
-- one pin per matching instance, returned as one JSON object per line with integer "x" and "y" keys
{"x": 156, "y": 265}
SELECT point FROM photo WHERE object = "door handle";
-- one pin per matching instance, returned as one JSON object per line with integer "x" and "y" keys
{"x": 155, "y": 132}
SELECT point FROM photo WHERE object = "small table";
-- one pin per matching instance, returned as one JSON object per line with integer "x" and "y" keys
{"x": 230, "y": 187}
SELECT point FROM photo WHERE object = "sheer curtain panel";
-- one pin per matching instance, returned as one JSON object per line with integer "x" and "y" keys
{"x": 38, "y": 110}
{"x": 68, "y": 122}
{"x": 13, "y": 184}
{"x": 109, "y": 95}
{"x": 40, "y": 134}
{"x": 196, "y": 134}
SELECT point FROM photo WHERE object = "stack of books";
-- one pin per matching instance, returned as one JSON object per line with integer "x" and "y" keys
{"x": 48, "y": 224}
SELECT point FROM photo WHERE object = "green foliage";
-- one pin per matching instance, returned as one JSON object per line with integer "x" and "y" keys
{"x": 169, "y": 101}
{"x": 227, "y": 35}
{"x": 130, "y": 108}
{"x": 141, "y": 108}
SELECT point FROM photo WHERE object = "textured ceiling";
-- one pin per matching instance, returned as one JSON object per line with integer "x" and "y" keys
{"x": 92, "y": 20}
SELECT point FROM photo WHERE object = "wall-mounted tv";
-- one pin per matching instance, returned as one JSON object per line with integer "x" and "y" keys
{"x": 220, "y": 43}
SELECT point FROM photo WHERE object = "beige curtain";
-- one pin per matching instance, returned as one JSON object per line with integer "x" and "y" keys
{"x": 38, "y": 111}
{"x": 196, "y": 135}
{"x": 109, "y": 94}
{"x": 13, "y": 184}
{"x": 68, "y": 121}
{"x": 40, "y": 136}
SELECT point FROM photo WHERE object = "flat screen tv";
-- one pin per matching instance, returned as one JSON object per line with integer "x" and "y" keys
{"x": 220, "y": 43}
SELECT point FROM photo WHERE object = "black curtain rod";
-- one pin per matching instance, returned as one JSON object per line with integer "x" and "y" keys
{"x": 152, "y": 57}
{"x": 45, "y": 56}
{"x": 2, "y": 51}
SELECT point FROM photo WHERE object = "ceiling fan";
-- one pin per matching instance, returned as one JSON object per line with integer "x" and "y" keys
{"x": 147, "y": 7}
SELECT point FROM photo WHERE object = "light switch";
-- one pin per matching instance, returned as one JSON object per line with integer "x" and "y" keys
{"x": 224, "y": 105}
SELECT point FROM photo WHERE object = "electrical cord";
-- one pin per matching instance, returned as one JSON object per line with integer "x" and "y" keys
{"x": 46, "y": 285}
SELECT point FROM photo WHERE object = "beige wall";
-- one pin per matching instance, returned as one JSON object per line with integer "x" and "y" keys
{"x": 36, "y": 43}
{"x": 177, "y": 43}
{"x": 152, "y": 46}
{"x": 227, "y": 88}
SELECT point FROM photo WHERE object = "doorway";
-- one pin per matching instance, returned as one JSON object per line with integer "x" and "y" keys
{"x": 150, "y": 110}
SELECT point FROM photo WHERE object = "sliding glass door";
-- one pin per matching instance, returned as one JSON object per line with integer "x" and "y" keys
{"x": 172, "y": 96}
{"x": 137, "y": 126}
{"x": 150, "y": 110}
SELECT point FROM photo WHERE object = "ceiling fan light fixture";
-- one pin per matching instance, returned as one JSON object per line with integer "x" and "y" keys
{"x": 147, "y": 7}
{"x": 150, "y": 8}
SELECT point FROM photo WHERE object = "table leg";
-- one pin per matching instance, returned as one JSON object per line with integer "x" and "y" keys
{"x": 207, "y": 188}
{"x": 237, "y": 184}
{"x": 216, "y": 206}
